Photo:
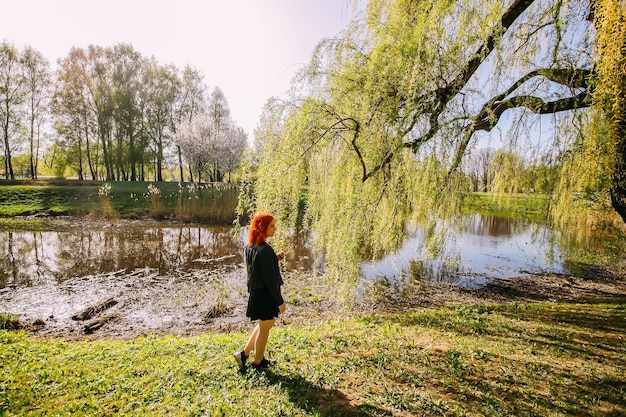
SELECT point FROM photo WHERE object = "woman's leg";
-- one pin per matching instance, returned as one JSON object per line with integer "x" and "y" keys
{"x": 263, "y": 334}
{"x": 251, "y": 340}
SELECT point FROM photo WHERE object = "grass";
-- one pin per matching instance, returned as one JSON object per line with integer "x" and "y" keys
{"x": 523, "y": 205}
{"x": 539, "y": 359}
{"x": 124, "y": 199}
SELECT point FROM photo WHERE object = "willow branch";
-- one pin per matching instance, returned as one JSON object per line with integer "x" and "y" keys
{"x": 489, "y": 116}
{"x": 491, "y": 112}
{"x": 508, "y": 18}
{"x": 437, "y": 100}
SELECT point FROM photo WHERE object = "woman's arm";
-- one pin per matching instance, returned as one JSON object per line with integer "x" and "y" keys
{"x": 270, "y": 274}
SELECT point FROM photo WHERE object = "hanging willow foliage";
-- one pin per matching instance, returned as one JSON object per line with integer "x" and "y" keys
{"x": 371, "y": 140}
{"x": 595, "y": 166}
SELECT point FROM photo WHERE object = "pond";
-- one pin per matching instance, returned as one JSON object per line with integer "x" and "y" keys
{"x": 80, "y": 248}
{"x": 484, "y": 247}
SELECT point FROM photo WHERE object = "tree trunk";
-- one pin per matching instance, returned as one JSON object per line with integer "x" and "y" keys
{"x": 92, "y": 311}
{"x": 618, "y": 188}
{"x": 33, "y": 172}
{"x": 90, "y": 163}
{"x": 180, "y": 163}
{"x": 8, "y": 165}
{"x": 159, "y": 164}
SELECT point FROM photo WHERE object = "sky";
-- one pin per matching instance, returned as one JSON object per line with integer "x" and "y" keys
{"x": 250, "y": 49}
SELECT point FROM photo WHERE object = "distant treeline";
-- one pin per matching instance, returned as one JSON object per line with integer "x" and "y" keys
{"x": 109, "y": 113}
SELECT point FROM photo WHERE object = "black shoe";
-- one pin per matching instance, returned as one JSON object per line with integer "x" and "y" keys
{"x": 263, "y": 365}
{"x": 240, "y": 357}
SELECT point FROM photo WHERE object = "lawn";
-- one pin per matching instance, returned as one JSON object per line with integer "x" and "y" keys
{"x": 534, "y": 206}
{"x": 537, "y": 359}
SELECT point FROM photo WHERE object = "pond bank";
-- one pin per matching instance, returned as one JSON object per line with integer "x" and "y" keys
{"x": 185, "y": 303}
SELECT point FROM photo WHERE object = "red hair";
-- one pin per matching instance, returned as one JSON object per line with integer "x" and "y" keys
{"x": 258, "y": 228}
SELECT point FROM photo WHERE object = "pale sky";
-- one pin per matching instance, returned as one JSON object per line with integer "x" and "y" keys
{"x": 250, "y": 49}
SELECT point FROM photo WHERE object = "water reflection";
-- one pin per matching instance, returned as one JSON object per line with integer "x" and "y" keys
{"x": 44, "y": 257}
{"x": 479, "y": 247}
{"x": 30, "y": 258}
{"x": 482, "y": 225}
{"x": 484, "y": 247}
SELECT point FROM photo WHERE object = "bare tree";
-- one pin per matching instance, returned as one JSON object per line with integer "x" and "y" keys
{"x": 234, "y": 143}
{"x": 476, "y": 166}
{"x": 218, "y": 113}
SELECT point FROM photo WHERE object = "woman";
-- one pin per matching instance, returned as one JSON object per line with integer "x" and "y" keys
{"x": 265, "y": 301}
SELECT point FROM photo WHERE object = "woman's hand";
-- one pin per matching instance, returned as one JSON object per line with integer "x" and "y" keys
{"x": 282, "y": 308}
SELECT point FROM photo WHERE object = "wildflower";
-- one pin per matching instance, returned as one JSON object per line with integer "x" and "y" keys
{"x": 153, "y": 190}
{"x": 104, "y": 191}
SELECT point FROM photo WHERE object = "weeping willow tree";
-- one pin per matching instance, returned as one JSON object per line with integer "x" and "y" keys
{"x": 380, "y": 121}
{"x": 594, "y": 169}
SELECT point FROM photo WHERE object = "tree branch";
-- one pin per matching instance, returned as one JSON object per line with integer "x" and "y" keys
{"x": 489, "y": 115}
{"x": 534, "y": 104}
{"x": 491, "y": 112}
{"x": 508, "y": 18}
{"x": 434, "y": 102}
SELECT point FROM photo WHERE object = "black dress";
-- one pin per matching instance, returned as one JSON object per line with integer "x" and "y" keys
{"x": 264, "y": 281}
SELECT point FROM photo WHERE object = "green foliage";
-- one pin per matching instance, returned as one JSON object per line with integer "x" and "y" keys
{"x": 246, "y": 203}
{"x": 9, "y": 321}
{"x": 373, "y": 137}
{"x": 594, "y": 167}
{"x": 544, "y": 359}
{"x": 319, "y": 172}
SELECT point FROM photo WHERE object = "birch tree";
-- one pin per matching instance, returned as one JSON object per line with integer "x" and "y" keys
{"x": 12, "y": 95}
{"x": 160, "y": 91}
{"x": 37, "y": 80}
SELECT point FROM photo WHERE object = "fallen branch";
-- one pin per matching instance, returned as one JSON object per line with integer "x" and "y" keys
{"x": 91, "y": 311}
{"x": 221, "y": 258}
{"x": 95, "y": 324}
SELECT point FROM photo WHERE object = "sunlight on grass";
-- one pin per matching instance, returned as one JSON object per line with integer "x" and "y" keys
{"x": 526, "y": 359}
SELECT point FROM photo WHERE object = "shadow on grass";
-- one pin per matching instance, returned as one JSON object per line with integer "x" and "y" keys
{"x": 322, "y": 401}
{"x": 559, "y": 358}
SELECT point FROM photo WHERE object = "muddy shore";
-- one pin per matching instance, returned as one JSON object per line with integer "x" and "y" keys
{"x": 187, "y": 303}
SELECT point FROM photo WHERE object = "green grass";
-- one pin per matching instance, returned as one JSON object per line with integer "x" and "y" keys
{"x": 125, "y": 199}
{"x": 528, "y": 205}
{"x": 524, "y": 359}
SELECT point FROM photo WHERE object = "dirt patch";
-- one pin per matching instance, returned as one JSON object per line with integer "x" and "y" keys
{"x": 591, "y": 285}
{"x": 187, "y": 303}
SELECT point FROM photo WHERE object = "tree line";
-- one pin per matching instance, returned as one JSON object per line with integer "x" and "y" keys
{"x": 501, "y": 170}
{"x": 110, "y": 113}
